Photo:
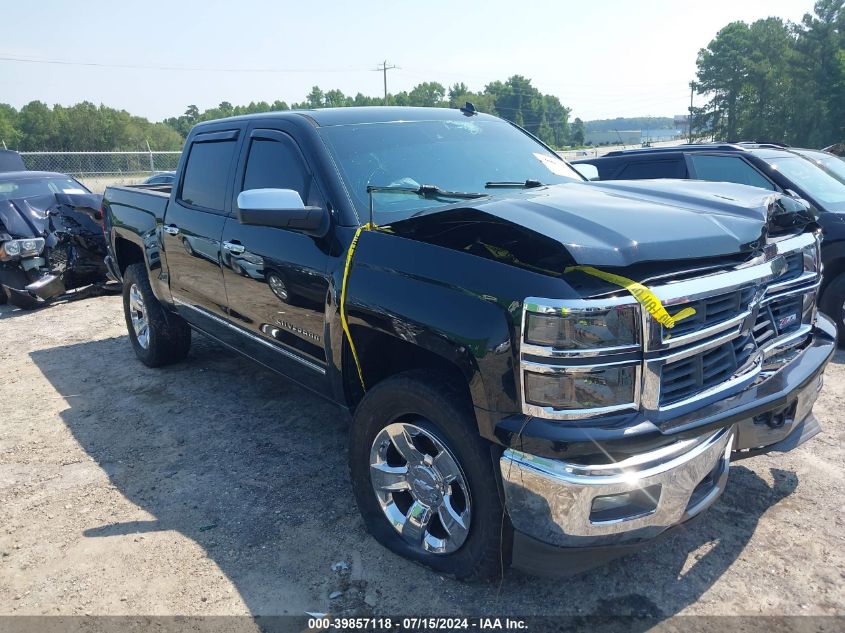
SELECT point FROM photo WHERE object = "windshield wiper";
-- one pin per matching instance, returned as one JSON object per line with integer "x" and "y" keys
{"x": 507, "y": 184}
{"x": 427, "y": 191}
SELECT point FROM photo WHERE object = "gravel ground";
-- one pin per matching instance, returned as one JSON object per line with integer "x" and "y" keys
{"x": 215, "y": 487}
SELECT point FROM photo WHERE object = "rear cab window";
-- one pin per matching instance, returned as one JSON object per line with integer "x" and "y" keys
{"x": 207, "y": 172}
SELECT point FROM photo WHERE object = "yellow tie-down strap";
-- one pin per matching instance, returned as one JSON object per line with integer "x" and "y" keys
{"x": 346, "y": 268}
{"x": 641, "y": 293}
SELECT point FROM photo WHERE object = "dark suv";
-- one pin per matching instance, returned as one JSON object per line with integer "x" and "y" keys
{"x": 807, "y": 174}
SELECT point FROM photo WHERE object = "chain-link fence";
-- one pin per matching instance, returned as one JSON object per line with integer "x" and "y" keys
{"x": 97, "y": 170}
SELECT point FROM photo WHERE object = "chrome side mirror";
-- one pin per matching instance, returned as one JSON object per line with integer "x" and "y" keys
{"x": 278, "y": 208}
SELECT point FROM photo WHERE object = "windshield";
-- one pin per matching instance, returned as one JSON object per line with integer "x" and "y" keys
{"x": 834, "y": 165}
{"x": 31, "y": 187}
{"x": 822, "y": 186}
{"x": 461, "y": 156}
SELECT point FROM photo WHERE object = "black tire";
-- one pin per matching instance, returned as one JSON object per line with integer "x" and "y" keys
{"x": 832, "y": 304}
{"x": 169, "y": 337}
{"x": 16, "y": 278}
{"x": 442, "y": 411}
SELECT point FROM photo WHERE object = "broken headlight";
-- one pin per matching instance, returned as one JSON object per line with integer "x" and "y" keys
{"x": 29, "y": 247}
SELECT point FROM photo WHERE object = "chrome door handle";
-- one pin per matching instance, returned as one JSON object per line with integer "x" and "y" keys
{"x": 171, "y": 229}
{"x": 234, "y": 247}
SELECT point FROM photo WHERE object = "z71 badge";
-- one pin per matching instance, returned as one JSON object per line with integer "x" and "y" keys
{"x": 786, "y": 321}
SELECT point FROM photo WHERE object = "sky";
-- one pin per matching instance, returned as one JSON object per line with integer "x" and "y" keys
{"x": 602, "y": 58}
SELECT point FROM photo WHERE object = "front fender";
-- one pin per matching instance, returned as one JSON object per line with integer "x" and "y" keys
{"x": 463, "y": 308}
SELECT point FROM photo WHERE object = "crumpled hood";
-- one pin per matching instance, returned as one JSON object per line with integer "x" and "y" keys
{"x": 620, "y": 223}
{"x": 30, "y": 217}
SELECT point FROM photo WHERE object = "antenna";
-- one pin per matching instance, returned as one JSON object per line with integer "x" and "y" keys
{"x": 469, "y": 109}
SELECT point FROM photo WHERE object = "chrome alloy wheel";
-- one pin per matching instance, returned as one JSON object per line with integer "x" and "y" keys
{"x": 278, "y": 286}
{"x": 138, "y": 314}
{"x": 420, "y": 487}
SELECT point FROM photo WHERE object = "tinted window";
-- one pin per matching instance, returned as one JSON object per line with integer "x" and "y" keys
{"x": 276, "y": 165}
{"x": 645, "y": 169}
{"x": 728, "y": 169}
{"x": 206, "y": 174}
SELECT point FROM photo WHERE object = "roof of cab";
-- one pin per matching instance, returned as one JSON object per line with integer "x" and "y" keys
{"x": 326, "y": 117}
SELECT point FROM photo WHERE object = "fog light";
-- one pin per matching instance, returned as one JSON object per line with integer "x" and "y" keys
{"x": 625, "y": 505}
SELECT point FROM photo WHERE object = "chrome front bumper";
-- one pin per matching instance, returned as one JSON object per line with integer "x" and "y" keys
{"x": 586, "y": 505}
{"x": 586, "y": 508}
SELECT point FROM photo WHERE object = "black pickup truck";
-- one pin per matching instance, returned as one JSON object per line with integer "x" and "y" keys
{"x": 539, "y": 369}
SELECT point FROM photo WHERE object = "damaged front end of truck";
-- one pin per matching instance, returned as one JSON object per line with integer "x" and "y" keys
{"x": 623, "y": 424}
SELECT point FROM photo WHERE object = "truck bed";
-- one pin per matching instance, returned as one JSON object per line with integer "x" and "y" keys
{"x": 128, "y": 201}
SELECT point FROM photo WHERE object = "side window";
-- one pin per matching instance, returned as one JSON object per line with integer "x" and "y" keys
{"x": 206, "y": 174}
{"x": 728, "y": 169}
{"x": 277, "y": 164}
{"x": 645, "y": 169}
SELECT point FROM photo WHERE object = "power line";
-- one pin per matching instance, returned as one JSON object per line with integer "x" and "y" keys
{"x": 384, "y": 68}
{"x": 62, "y": 62}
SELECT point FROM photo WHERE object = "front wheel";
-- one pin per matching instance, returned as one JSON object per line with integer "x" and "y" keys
{"x": 158, "y": 338}
{"x": 424, "y": 479}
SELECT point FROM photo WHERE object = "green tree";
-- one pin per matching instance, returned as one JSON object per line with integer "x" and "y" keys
{"x": 428, "y": 94}
{"x": 9, "y": 132}
{"x": 777, "y": 81}
{"x": 577, "y": 135}
{"x": 37, "y": 127}
{"x": 722, "y": 71}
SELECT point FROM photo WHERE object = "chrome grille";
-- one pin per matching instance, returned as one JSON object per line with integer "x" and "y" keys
{"x": 764, "y": 329}
{"x": 711, "y": 311}
{"x": 685, "y": 378}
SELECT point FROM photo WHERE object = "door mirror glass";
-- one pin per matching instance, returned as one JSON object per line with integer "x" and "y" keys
{"x": 279, "y": 208}
{"x": 590, "y": 172}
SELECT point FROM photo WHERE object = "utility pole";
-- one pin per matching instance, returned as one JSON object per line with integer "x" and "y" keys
{"x": 383, "y": 67}
{"x": 689, "y": 122}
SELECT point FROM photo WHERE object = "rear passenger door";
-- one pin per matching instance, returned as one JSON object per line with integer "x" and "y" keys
{"x": 276, "y": 279}
{"x": 727, "y": 168}
{"x": 193, "y": 225}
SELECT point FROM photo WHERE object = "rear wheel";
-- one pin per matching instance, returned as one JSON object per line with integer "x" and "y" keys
{"x": 158, "y": 337}
{"x": 833, "y": 305}
{"x": 424, "y": 479}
